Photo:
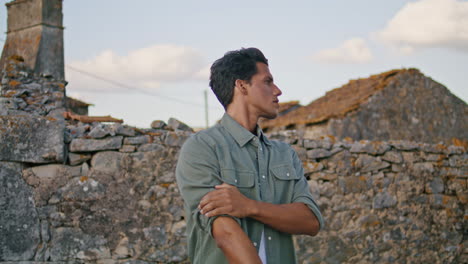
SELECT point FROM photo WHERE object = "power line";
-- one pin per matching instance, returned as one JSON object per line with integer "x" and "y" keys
{"x": 131, "y": 88}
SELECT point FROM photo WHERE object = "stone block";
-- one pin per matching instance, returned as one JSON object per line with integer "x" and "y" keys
{"x": 158, "y": 124}
{"x": 177, "y": 125}
{"x": 310, "y": 144}
{"x": 71, "y": 243}
{"x": 124, "y": 130}
{"x": 422, "y": 168}
{"x": 323, "y": 176}
{"x": 370, "y": 147}
{"x": 326, "y": 189}
{"x": 434, "y": 148}
{"x": 108, "y": 162}
{"x": 151, "y": 147}
{"x": 384, "y": 200}
{"x": 435, "y": 186}
{"x": 82, "y": 189}
{"x": 367, "y": 163}
{"x": 77, "y": 158}
{"x": 78, "y": 131}
{"x": 101, "y": 131}
{"x": 301, "y": 152}
{"x": 176, "y": 139}
{"x": 138, "y": 140}
{"x": 393, "y": 157}
{"x": 352, "y": 184}
{"x": 318, "y": 153}
{"x": 311, "y": 167}
{"x": 404, "y": 145}
{"x": 19, "y": 221}
{"x": 458, "y": 160}
{"x": 127, "y": 149}
{"x": 31, "y": 139}
{"x": 90, "y": 145}
{"x": 448, "y": 172}
{"x": 455, "y": 150}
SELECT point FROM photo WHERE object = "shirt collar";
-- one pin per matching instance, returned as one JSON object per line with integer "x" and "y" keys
{"x": 239, "y": 133}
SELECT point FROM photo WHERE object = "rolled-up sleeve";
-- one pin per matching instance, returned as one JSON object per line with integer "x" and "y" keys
{"x": 197, "y": 173}
{"x": 302, "y": 191}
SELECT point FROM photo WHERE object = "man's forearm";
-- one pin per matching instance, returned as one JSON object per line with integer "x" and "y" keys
{"x": 293, "y": 218}
{"x": 233, "y": 241}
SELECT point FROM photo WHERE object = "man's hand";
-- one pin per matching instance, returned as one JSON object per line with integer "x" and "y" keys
{"x": 226, "y": 199}
{"x": 292, "y": 218}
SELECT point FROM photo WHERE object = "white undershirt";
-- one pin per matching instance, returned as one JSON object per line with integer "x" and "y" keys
{"x": 261, "y": 250}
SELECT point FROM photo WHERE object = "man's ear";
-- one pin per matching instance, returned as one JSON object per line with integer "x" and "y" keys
{"x": 240, "y": 85}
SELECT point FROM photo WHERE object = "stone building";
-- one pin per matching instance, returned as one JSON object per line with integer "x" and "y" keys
{"x": 35, "y": 33}
{"x": 398, "y": 104}
{"x": 76, "y": 106}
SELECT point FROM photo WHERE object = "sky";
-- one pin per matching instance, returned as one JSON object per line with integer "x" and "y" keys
{"x": 149, "y": 60}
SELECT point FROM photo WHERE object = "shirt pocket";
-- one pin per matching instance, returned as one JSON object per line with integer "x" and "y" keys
{"x": 241, "y": 179}
{"x": 284, "y": 180}
{"x": 244, "y": 180}
{"x": 284, "y": 172}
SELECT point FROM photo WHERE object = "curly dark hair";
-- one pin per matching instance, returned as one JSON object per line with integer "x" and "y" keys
{"x": 234, "y": 65}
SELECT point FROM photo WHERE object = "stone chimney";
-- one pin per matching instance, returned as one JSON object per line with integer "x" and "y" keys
{"x": 35, "y": 32}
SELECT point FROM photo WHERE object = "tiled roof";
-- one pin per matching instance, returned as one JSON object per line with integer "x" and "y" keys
{"x": 337, "y": 102}
{"x": 287, "y": 105}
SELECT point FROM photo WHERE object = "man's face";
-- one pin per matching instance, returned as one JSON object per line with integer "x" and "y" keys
{"x": 263, "y": 93}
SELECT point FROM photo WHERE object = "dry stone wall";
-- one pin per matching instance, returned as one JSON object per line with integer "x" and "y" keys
{"x": 110, "y": 195}
{"x": 385, "y": 202}
{"x": 114, "y": 200}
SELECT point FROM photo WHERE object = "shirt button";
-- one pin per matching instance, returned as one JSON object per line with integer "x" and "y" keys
{"x": 260, "y": 149}
{"x": 287, "y": 174}
{"x": 269, "y": 238}
{"x": 235, "y": 180}
{"x": 263, "y": 176}
{"x": 255, "y": 244}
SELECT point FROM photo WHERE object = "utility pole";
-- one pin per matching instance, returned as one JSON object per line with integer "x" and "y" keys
{"x": 206, "y": 108}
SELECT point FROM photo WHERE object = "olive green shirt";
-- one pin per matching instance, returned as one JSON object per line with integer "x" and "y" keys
{"x": 262, "y": 169}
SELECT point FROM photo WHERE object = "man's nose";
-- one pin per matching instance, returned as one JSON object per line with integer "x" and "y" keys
{"x": 278, "y": 91}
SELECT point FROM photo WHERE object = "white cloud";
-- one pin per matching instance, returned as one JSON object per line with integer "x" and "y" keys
{"x": 146, "y": 68}
{"x": 203, "y": 74}
{"x": 354, "y": 50}
{"x": 428, "y": 23}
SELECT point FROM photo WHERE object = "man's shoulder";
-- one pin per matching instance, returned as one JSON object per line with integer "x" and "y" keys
{"x": 208, "y": 138}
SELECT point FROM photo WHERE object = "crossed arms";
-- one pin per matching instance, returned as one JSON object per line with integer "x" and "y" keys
{"x": 293, "y": 218}
{"x": 198, "y": 171}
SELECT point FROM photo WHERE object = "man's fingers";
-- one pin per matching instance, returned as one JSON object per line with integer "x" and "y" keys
{"x": 211, "y": 196}
{"x": 223, "y": 186}
{"x": 217, "y": 211}
{"x": 208, "y": 207}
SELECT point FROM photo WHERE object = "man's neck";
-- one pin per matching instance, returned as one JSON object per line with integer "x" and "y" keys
{"x": 242, "y": 116}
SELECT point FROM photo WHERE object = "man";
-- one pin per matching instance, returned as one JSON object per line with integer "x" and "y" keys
{"x": 244, "y": 195}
